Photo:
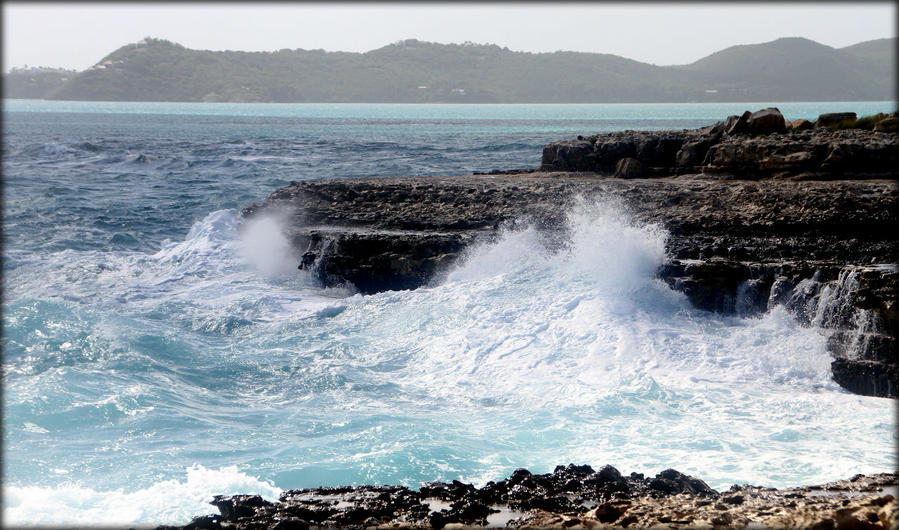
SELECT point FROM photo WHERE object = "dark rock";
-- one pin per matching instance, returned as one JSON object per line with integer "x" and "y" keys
{"x": 556, "y": 503}
{"x": 740, "y": 125}
{"x": 630, "y": 168}
{"x": 832, "y": 118}
{"x": 712, "y": 285}
{"x": 233, "y": 507}
{"x": 850, "y": 502}
{"x": 608, "y": 473}
{"x": 766, "y": 121}
{"x": 573, "y": 153}
{"x": 733, "y": 499}
{"x": 672, "y": 481}
{"x": 573, "y": 470}
{"x": 692, "y": 154}
{"x": 519, "y": 475}
{"x": 868, "y": 378}
{"x": 472, "y": 511}
{"x": 204, "y": 522}
{"x": 610, "y": 512}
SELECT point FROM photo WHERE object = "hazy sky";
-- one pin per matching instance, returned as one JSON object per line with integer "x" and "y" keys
{"x": 77, "y": 35}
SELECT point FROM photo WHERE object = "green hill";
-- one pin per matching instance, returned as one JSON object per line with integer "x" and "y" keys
{"x": 37, "y": 83}
{"x": 781, "y": 69}
{"x": 412, "y": 71}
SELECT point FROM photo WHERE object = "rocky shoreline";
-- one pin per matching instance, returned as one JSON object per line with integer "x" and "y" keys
{"x": 759, "y": 213}
{"x": 817, "y": 238}
{"x": 570, "y": 497}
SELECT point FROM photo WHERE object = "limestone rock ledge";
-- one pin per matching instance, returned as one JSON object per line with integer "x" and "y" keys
{"x": 823, "y": 248}
{"x": 570, "y": 497}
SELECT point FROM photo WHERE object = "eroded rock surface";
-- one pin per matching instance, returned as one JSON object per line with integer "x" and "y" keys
{"x": 756, "y": 145}
{"x": 571, "y": 496}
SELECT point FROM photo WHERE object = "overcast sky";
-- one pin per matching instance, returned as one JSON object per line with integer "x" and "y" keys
{"x": 77, "y": 35}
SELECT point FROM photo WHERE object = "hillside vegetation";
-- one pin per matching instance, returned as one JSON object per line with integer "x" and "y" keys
{"x": 411, "y": 71}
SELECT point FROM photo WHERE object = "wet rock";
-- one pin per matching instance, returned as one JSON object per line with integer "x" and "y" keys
{"x": 461, "y": 512}
{"x": 712, "y": 285}
{"x": 681, "y": 502}
{"x": 608, "y": 473}
{"x": 672, "y": 481}
{"x": 204, "y": 522}
{"x": 869, "y": 378}
{"x": 233, "y": 507}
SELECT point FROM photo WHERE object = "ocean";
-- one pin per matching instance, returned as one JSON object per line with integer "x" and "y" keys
{"x": 155, "y": 355}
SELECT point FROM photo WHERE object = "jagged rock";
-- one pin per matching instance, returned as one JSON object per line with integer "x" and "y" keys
{"x": 766, "y": 121}
{"x": 832, "y": 118}
{"x": 672, "y": 481}
{"x": 233, "y": 507}
{"x": 801, "y": 124}
{"x": 608, "y": 474}
{"x": 630, "y": 168}
{"x": 741, "y": 146}
{"x": 552, "y": 501}
{"x": 712, "y": 285}
{"x": 739, "y": 125}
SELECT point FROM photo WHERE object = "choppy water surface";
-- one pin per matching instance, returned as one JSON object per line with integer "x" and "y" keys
{"x": 154, "y": 355}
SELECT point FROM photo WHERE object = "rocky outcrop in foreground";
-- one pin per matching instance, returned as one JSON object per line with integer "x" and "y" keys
{"x": 569, "y": 497}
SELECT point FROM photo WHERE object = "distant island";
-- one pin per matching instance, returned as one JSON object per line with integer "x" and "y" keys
{"x": 412, "y": 71}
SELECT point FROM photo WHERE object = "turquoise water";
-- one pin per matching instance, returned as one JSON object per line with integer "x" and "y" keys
{"x": 414, "y": 111}
{"x": 154, "y": 355}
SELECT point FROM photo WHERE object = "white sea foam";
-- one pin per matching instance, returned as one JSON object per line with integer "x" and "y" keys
{"x": 264, "y": 244}
{"x": 526, "y": 354}
{"x": 172, "y": 501}
{"x": 591, "y": 315}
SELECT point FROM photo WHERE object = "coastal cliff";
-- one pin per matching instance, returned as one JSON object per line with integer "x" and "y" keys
{"x": 815, "y": 238}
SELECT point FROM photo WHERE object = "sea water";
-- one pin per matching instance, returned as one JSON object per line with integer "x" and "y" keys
{"x": 156, "y": 352}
